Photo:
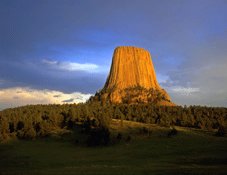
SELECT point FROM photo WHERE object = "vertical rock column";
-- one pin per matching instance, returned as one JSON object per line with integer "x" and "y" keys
{"x": 132, "y": 68}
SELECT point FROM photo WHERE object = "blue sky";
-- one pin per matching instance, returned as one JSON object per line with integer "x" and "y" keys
{"x": 67, "y": 46}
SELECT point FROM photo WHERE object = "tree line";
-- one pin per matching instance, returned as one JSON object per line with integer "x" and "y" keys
{"x": 94, "y": 119}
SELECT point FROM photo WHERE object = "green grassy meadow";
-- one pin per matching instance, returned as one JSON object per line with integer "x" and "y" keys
{"x": 188, "y": 152}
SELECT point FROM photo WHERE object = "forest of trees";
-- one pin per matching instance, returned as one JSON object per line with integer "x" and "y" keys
{"x": 34, "y": 121}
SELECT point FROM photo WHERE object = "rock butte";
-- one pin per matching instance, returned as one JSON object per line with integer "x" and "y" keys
{"x": 131, "y": 66}
{"x": 132, "y": 74}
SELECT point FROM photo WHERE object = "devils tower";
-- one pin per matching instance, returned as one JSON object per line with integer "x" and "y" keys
{"x": 132, "y": 79}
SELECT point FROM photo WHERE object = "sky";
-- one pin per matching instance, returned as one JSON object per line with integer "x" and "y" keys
{"x": 54, "y": 51}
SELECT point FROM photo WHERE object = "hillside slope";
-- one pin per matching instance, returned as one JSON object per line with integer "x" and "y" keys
{"x": 190, "y": 151}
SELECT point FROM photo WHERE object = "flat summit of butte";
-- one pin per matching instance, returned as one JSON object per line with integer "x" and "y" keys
{"x": 132, "y": 79}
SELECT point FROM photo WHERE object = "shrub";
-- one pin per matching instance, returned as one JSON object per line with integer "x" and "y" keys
{"x": 144, "y": 131}
{"x": 172, "y": 132}
{"x": 221, "y": 131}
{"x": 11, "y": 127}
{"x": 20, "y": 125}
{"x": 128, "y": 139}
{"x": 29, "y": 133}
{"x": 98, "y": 136}
{"x": 119, "y": 136}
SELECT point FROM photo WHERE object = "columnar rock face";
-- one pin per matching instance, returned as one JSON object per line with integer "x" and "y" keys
{"x": 132, "y": 79}
{"x": 130, "y": 67}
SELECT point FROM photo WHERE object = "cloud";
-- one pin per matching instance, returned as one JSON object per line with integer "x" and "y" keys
{"x": 71, "y": 66}
{"x": 19, "y": 96}
{"x": 38, "y": 75}
{"x": 2, "y": 81}
{"x": 68, "y": 100}
{"x": 162, "y": 78}
{"x": 186, "y": 91}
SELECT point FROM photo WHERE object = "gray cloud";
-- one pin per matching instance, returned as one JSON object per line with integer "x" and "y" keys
{"x": 40, "y": 77}
{"x": 68, "y": 100}
{"x": 205, "y": 69}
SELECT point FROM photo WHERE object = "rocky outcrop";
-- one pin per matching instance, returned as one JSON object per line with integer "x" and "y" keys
{"x": 130, "y": 67}
{"x": 132, "y": 79}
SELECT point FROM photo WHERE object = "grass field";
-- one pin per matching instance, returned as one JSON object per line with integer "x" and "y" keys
{"x": 189, "y": 152}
